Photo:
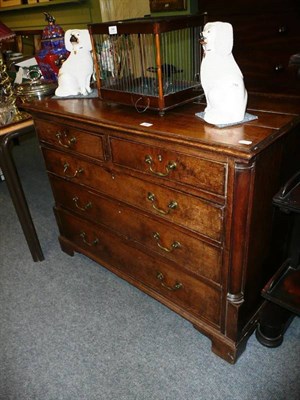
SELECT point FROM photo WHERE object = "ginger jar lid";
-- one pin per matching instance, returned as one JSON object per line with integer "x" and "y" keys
{"x": 52, "y": 30}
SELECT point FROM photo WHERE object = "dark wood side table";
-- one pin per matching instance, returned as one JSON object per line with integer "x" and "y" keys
{"x": 283, "y": 289}
{"x": 7, "y": 136}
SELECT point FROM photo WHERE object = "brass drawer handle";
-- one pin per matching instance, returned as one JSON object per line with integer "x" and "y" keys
{"x": 174, "y": 245}
{"x": 171, "y": 206}
{"x": 282, "y": 29}
{"x": 177, "y": 286}
{"x": 84, "y": 208}
{"x": 77, "y": 172}
{"x": 68, "y": 142}
{"x": 170, "y": 166}
{"x": 83, "y": 237}
{"x": 278, "y": 68}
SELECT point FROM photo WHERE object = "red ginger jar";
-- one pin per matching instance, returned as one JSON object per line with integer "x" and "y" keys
{"x": 53, "y": 50}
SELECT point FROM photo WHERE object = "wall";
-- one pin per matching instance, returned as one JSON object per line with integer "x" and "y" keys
{"x": 79, "y": 14}
{"x": 122, "y": 9}
{"x": 71, "y": 15}
{"x": 192, "y": 8}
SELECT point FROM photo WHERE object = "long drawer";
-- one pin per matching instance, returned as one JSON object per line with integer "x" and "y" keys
{"x": 66, "y": 137}
{"x": 195, "y": 171}
{"x": 192, "y": 295}
{"x": 188, "y": 211}
{"x": 193, "y": 254}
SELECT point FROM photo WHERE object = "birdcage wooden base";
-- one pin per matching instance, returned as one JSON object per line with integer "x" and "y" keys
{"x": 144, "y": 102}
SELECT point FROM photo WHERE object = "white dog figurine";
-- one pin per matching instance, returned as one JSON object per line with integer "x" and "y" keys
{"x": 221, "y": 78}
{"x": 75, "y": 73}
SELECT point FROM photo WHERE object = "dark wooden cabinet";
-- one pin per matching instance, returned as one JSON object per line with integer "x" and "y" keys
{"x": 179, "y": 208}
{"x": 266, "y": 37}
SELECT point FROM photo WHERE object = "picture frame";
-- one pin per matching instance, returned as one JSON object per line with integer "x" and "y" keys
{"x": 168, "y": 5}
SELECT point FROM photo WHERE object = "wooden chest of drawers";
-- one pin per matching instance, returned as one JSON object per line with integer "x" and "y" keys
{"x": 266, "y": 37}
{"x": 178, "y": 208}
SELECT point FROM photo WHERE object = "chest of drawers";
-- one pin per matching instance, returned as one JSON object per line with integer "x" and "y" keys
{"x": 179, "y": 208}
{"x": 266, "y": 37}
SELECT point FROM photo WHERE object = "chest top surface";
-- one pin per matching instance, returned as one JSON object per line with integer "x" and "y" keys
{"x": 275, "y": 117}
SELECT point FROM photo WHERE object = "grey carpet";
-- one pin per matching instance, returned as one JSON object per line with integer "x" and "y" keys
{"x": 71, "y": 330}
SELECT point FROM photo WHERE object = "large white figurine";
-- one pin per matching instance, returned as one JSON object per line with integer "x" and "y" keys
{"x": 75, "y": 73}
{"x": 221, "y": 78}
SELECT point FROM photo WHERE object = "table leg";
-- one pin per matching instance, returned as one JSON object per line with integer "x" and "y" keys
{"x": 17, "y": 194}
{"x": 274, "y": 321}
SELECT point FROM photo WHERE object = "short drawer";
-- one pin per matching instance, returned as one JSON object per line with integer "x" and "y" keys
{"x": 69, "y": 138}
{"x": 272, "y": 66}
{"x": 280, "y": 29}
{"x": 193, "y": 254}
{"x": 192, "y": 212}
{"x": 169, "y": 283}
{"x": 195, "y": 171}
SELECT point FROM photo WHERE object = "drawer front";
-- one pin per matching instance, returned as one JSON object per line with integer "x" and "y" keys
{"x": 192, "y": 295}
{"x": 198, "y": 172}
{"x": 195, "y": 255}
{"x": 66, "y": 137}
{"x": 188, "y": 211}
{"x": 280, "y": 29}
{"x": 270, "y": 42}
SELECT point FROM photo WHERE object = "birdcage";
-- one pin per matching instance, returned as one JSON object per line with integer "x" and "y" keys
{"x": 150, "y": 63}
